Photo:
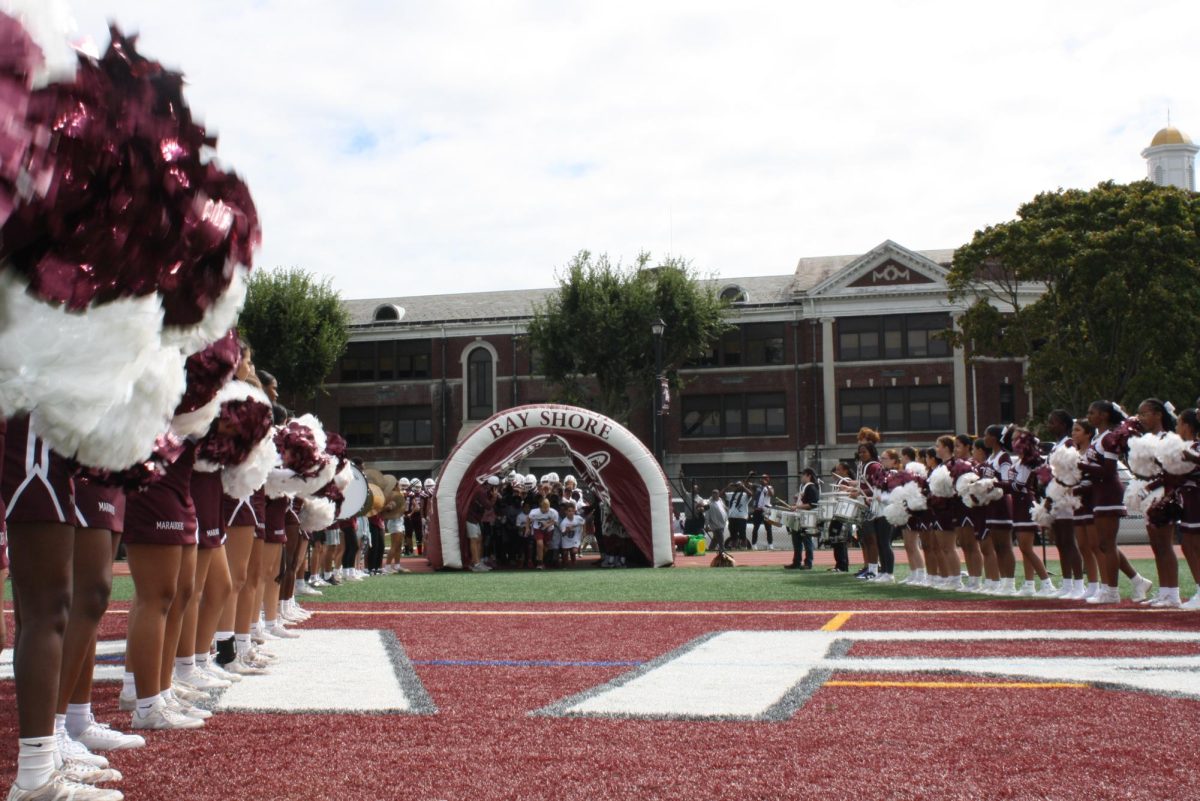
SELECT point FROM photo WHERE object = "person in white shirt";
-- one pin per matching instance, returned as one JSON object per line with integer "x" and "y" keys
{"x": 764, "y": 494}
{"x": 543, "y": 521}
{"x": 739, "y": 509}
{"x": 572, "y": 533}
{"x": 715, "y": 517}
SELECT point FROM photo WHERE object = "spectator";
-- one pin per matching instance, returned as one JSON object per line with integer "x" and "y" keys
{"x": 715, "y": 518}
{"x": 764, "y": 494}
{"x": 739, "y": 511}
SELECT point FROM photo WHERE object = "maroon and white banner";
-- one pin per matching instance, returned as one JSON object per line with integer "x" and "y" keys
{"x": 617, "y": 465}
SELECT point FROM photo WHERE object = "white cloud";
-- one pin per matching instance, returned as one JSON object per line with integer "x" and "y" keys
{"x": 407, "y": 148}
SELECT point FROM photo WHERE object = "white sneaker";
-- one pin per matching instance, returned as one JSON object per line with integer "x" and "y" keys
{"x": 353, "y": 576}
{"x": 60, "y": 788}
{"x": 1193, "y": 604}
{"x": 1106, "y": 595}
{"x": 126, "y": 703}
{"x": 1027, "y": 590}
{"x": 241, "y": 667}
{"x": 1141, "y": 588}
{"x": 885, "y": 578}
{"x": 181, "y": 707}
{"x": 954, "y": 584}
{"x": 186, "y": 692}
{"x": 261, "y": 635}
{"x": 99, "y": 737}
{"x": 479, "y": 567}
{"x": 316, "y": 581}
{"x": 219, "y": 673}
{"x": 82, "y": 772}
{"x": 1047, "y": 590}
{"x": 162, "y": 717}
{"x": 77, "y": 752}
{"x": 200, "y": 681}
{"x": 283, "y": 634}
{"x": 259, "y": 654}
{"x": 304, "y": 588}
{"x": 1166, "y": 602}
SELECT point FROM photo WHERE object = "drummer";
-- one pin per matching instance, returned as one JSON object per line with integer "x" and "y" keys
{"x": 806, "y": 500}
{"x": 844, "y": 481}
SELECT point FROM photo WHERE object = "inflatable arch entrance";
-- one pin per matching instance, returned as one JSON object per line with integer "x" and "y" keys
{"x": 615, "y": 462}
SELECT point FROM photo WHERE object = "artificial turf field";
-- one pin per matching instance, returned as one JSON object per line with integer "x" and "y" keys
{"x": 750, "y": 683}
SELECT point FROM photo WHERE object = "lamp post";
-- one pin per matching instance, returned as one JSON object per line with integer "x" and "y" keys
{"x": 657, "y": 328}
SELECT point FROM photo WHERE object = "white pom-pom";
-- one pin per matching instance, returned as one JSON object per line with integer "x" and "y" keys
{"x": 963, "y": 485}
{"x": 195, "y": 424}
{"x": 911, "y": 496}
{"x": 1040, "y": 513}
{"x": 293, "y": 484}
{"x": 1064, "y": 501}
{"x": 1135, "y": 491}
{"x": 241, "y": 480}
{"x": 317, "y": 514}
{"x": 986, "y": 491}
{"x": 941, "y": 484}
{"x": 917, "y": 469}
{"x": 1143, "y": 452}
{"x": 100, "y": 386}
{"x": 1171, "y": 453}
{"x": 1064, "y": 464}
{"x": 217, "y": 320}
{"x": 896, "y": 513}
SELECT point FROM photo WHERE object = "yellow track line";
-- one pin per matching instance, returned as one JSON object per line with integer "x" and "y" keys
{"x": 837, "y": 621}
{"x": 971, "y": 685}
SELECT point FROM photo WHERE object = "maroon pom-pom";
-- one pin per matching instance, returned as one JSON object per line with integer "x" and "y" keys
{"x": 240, "y": 426}
{"x": 19, "y": 58}
{"x": 128, "y": 206}
{"x": 209, "y": 370}
{"x": 1165, "y": 510}
{"x": 298, "y": 450}
{"x": 331, "y": 492}
{"x": 167, "y": 449}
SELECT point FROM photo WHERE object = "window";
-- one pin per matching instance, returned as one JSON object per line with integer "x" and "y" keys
{"x": 387, "y": 426}
{"x": 742, "y": 415}
{"x": 387, "y": 360}
{"x": 751, "y": 345}
{"x": 388, "y": 313}
{"x": 1008, "y": 403}
{"x": 909, "y": 336}
{"x": 480, "y": 397}
{"x": 895, "y": 409}
{"x": 733, "y": 294}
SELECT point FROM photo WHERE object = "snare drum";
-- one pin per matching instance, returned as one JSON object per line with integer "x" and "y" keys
{"x": 807, "y": 519}
{"x": 774, "y": 516}
{"x": 850, "y": 510}
{"x": 825, "y": 509}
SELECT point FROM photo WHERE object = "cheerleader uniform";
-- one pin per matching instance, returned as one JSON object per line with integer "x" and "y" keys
{"x": 997, "y": 514}
{"x": 163, "y": 513}
{"x": 276, "y": 520}
{"x": 36, "y": 482}
{"x": 1189, "y": 496}
{"x": 240, "y": 513}
{"x": 3, "y": 524}
{"x": 1022, "y": 497}
{"x": 206, "y": 497}
{"x": 99, "y": 507}
{"x": 959, "y": 514}
{"x": 1099, "y": 466}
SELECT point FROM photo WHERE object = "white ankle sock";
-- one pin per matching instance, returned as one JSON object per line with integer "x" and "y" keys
{"x": 35, "y": 761}
{"x": 144, "y": 705}
{"x": 60, "y": 724}
{"x": 241, "y": 643}
{"x": 184, "y": 664}
{"x": 201, "y": 660}
{"x": 128, "y": 685}
{"x": 272, "y": 623}
{"x": 79, "y": 717}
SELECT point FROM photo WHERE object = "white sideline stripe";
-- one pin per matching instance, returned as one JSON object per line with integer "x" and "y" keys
{"x": 324, "y": 670}
{"x": 774, "y": 670}
{"x": 105, "y": 671}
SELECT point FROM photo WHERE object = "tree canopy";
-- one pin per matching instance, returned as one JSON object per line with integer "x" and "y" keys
{"x": 593, "y": 337}
{"x": 297, "y": 327}
{"x": 1120, "y": 266}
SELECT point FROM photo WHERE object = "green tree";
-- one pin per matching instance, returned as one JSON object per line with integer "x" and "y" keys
{"x": 1120, "y": 269}
{"x": 297, "y": 327}
{"x": 594, "y": 339}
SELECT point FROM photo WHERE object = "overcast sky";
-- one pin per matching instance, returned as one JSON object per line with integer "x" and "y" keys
{"x": 426, "y": 147}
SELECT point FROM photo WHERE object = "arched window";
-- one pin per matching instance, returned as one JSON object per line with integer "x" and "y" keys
{"x": 1158, "y": 175}
{"x": 733, "y": 294}
{"x": 388, "y": 313}
{"x": 481, "y": 387}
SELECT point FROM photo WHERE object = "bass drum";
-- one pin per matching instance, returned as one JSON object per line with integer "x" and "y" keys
{"x": 355, "y": 495}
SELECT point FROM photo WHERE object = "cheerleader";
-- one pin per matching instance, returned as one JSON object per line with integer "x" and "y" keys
{"x": 1099, "y": 465}
{"x": 936, "y": 573}
{"x": 876, "y": 531}
{"x": 214, "y": 586}
{"x": 866, "y": 533}
{"x": 1070, "y": 559}
{"x": 1156, "y": 421}
{"x": 1188, "y": 428}
{"x": 100, "y": 521}
{"x": 977, "y": 509}
{"x": 393, "y": 515}
{"x": 971, "y": 520}
{"x": 998, "y": 516}
{"x": 1028, "y": 458}
{"x": 1082, "y": 433}
{"x": 912, "y": 533}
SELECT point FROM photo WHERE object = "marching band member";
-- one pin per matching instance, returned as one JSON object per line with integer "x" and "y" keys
{"x": 876, "y": 530}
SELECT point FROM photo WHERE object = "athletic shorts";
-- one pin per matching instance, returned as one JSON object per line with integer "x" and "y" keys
{"x": 206, "y": 497}
{"x": 35, "y": 482}
{"x": 98, "y": 506}
{"x": 238, "y": 512}
{"x": 276, "y": 520}
{"x": 473, "y": 531}
{"x": 395, "y": 525}
{"x": 333, "y": 536}
{"x": 163, "y": 513}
